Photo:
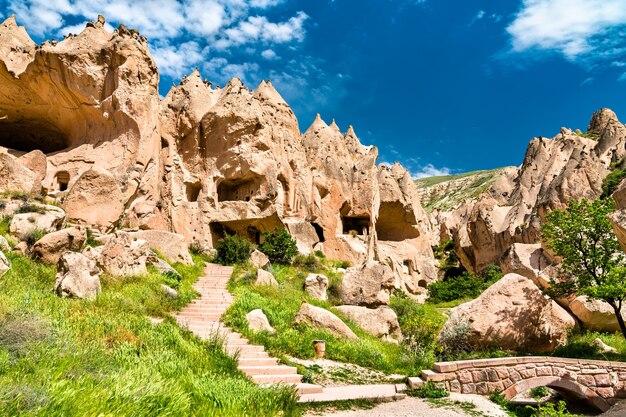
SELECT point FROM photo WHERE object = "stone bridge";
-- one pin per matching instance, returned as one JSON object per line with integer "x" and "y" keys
{"x": 599, "y": 382}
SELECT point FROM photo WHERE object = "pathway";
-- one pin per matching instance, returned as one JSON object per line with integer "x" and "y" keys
{"x": 203, "y": 318}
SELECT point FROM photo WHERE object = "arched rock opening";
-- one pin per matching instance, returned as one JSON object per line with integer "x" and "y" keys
{"x": 28, "y": 134}
{"x": 395, "y": 223}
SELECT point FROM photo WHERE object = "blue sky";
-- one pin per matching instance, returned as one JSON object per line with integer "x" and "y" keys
{"x": 438, "y": 85}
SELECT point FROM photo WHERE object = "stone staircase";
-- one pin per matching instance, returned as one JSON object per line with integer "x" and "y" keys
{"x": 203, "y": 318}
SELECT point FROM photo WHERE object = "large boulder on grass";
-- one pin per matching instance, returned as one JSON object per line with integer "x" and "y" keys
{"x": 50, "y": 247}
{"x": 316, "y": 285}
{"x": 258, "y": 322}
{"x": 265, "y": 278}
{"x": 381, "y": 322}
{"x": 595, "y": 315}
{"x": 512, "y": 314}
{"x": 44, "y": 217}
{"x": 171, "y": 245}
{"x": 369, "y": 284}
{"x": 121, "y": 255}
{"x": 77, "y": 277}
{"x": 259, "y": 260}
{"x": 319, "y": 317}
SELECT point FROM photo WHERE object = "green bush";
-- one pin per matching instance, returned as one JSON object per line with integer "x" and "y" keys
{"x": 232, "y": 250}
{"x": 420, "y": 323}
{"x": 33, "y": 236}
{"x": 539, "y": 392}
{"x": 611, "y": 181}
{"x": 279, "y": 246}
{"x": 27, "y": 207}
{"x": 466, "y": 285}
{"x": 310, "y": 263}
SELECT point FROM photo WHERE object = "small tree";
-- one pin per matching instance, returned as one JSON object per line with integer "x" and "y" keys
{"x": 582, "y": 235}
{"x": 279, "y": 246}
{"x": 232, "y": 250}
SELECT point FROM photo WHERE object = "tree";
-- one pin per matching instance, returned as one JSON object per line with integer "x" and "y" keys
{"x": 279, "y": 246}
{"x": 582, "y": 235}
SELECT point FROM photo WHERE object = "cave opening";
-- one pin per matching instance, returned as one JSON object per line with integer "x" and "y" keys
{"x": 62, "y": 180}
{"x": 193, "y": 191}
{"x": 236, "y": 190}
{"x": 31, "y": 134}
{"x": 319, "y": 230}
{"x": 359, "y": 225}
{"x": 395, "y": 223}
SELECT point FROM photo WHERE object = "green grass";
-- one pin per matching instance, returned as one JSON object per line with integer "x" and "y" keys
{"x": 66, "y": 357}
{"x": 480, "y": 181}
{"x": 281, "y": 306}
{"x": 580, "y": 346}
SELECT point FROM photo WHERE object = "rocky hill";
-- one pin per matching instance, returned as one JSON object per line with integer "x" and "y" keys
{"x": 447, "y": 192}
{"x": 82, "y": 123}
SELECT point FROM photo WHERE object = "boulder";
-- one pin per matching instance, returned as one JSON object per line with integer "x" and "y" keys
{"x": 604, "y": 348}
{"x": 259, "y": 260}
{"x": 265, "y": 278}
{"x": 319, "y": 317}
{"x": 531, "y": 261}
{"x": 512, "y": 314}
{"x": 173, "y": 246}
{"x": 5, "y": 265}
{"x": 22, "y": 248}
{"x": 95, "y": 199}
{"x": 316, "y": 285}
{"x": 162, "y": 266}
{"x": 77, "y": 276}
{"x": 169, "y": 292}
{"x": 49, "y": 219}
{"x": 36, "y": 162}
{"x": 595, "y": 315}
{"x": 4, "y": 244}
{"x": 50, "y": 247}
{"x": 15, "y": 176}
{"x": 258, "y": 322}
{"x": 382, "y": 322}
{"x": 369, "y": 284}
{"x": 121, "y": 255}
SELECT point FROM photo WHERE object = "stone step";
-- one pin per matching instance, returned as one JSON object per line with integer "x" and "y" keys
{"x": 268, "y": 370}
{"x": 277, "y": 379}
{"x": 388, "y": 392}
{"x": 248, "y": 355}
{"x": 265, "y": 361}
{"x": 304, "y": 388}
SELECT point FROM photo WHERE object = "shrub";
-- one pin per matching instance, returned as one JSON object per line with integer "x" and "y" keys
{"x": 310, "y": 263}
{"x": 429, "y": 390}
{"x": 320, "y": 254}
{"x": 420, "y": 324}
{"x": 454, "y": 339}
{"x": 611, "y": 181}
{"x": 466, "y": 285}
{"x": 539, "y": 392}
{"x": 33, "y": 236}
{"x": 232, "y": 250}
{"x": 279, "y": 246}
{"x": 27, "y": 207}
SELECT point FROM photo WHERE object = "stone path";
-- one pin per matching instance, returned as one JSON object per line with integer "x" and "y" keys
{"x": 203, "y": 318}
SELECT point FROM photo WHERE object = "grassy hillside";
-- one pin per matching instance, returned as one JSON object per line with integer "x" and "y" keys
{"x": 448, "y": 191}
{"x": 65, "y": 357}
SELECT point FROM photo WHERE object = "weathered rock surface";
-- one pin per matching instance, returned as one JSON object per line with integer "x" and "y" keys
{"x": 4, "y": 244}
{"x": 78, "y": 276}
{"x": 259, "y": 260}
{"x": 530, "y": 261}
{"x": 258, "y": 322}
{"x": 554, "y": 171}
{"x": 173, "y": 246}
{"x": 595, "y": 315}
{"x": 319, "y": 317}
{"x": 169, "y": 292}
{"x": 50, "y": 219}
{"x": 316, "y": 285}
{"x": 50, "y": 247}
{"x": 368, "y": 285}
{"x": 121, "y": 255}
{"x": 84, "y": 121}
{"x": 382, "y": 322}
{"x": 5, "y": 265}
{"x": 265, "y": 278}
{"x": 513, "y": 314}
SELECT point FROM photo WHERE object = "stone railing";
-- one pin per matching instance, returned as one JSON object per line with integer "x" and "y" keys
{"x": 600, "y": 382}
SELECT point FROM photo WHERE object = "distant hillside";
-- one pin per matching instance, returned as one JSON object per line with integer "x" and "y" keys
{"x": 448, "y": 191}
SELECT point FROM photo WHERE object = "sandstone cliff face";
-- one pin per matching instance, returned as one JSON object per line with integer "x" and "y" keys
{"x": 85, "y": 124}
{"x": 569, "y": 166}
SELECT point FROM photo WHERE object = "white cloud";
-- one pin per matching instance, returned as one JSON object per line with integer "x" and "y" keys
{"x": 429, "y": 170}
{"x": 570, "y": 27}
{"x": 269, "y": 54}
{"x": 191, "y": 25}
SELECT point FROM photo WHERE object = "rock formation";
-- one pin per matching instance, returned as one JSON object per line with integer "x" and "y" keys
{"x": 512, "y": 314}
{"x": 78, "y": 276}
{"x": 85, "y": 124}
{"x": 319, "y": 317}
{"x": 382, "y": 322}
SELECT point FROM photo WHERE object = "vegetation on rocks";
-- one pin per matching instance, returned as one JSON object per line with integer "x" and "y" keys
{"x": 583, "y": 237}
{"x": 120, "y": 355}
{"x": 464, "y": 286}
